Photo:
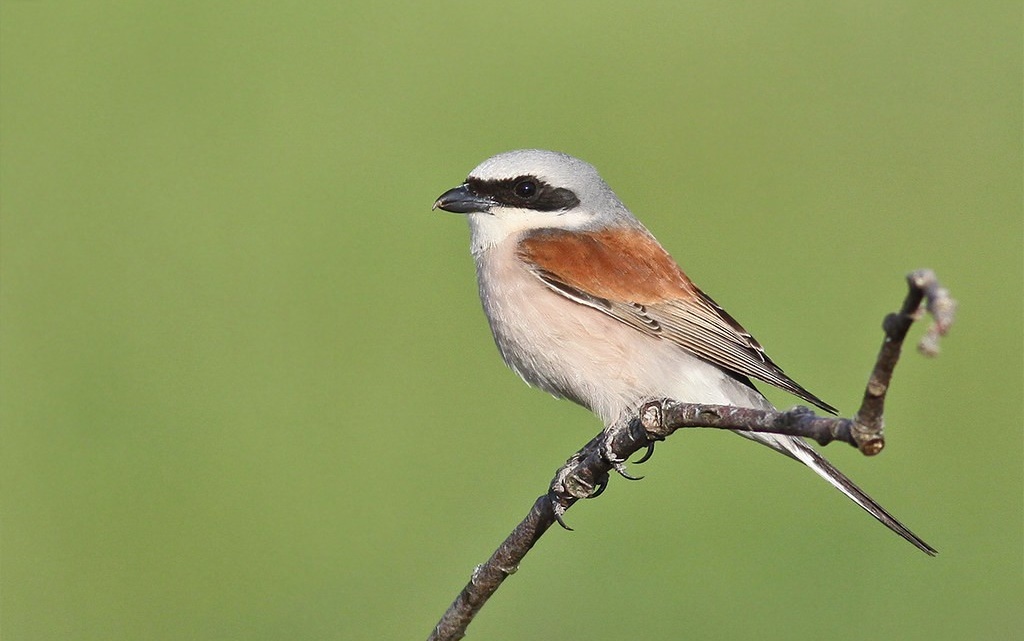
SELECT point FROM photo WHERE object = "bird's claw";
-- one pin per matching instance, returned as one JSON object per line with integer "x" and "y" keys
{"x": 647, "y": 455}
{"x": 568, "y": 487}
{"x": 620, "y": 467}
{"x": 608, "y": 452}
{"x": 559, "y": 510}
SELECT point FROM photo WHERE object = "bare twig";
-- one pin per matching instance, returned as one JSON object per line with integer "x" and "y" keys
{"x": 869, "y": 422}
{"x": 585, "y": 474}
{"x": 487, "y": 577}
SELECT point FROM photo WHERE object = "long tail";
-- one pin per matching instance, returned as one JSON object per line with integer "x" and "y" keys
{"x": 802, "y": 452}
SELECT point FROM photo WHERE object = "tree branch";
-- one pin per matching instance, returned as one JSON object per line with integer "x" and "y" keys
{"x": 923, "y": 285}
{"x": 585, "y": 474}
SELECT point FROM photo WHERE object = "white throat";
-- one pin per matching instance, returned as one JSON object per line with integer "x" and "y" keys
{"x": 487, "y": 230}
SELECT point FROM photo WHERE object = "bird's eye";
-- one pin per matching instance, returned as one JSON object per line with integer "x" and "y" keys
{"x": 525, "y": 189}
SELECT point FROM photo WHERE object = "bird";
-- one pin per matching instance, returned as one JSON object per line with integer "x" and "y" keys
{"x": 584, "y": 303}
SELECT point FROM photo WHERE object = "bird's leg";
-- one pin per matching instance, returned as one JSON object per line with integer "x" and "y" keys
{"x": 580, "y": 479}
{"x": 651, "y": 415}
{"x": 569, "y": 486}
{"x": 623, "y": 430}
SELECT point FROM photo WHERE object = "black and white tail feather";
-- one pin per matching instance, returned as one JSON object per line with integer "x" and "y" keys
{"x": 796, "y": 448}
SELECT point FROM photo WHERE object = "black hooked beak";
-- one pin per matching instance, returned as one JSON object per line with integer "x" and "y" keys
{"x": 462, "y": 200}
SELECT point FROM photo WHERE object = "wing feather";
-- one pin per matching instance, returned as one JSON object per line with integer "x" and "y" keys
{"x": 651, "y": 294}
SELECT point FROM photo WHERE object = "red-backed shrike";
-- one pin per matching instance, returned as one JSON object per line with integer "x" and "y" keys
{"x": 585, "y": 304}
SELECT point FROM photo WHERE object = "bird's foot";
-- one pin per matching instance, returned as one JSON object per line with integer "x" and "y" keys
{"x": 647, "y": 455}
{"x": 569, "y": 486}
{"x": 615, "y": 433}
{"x": 577, "y": 480}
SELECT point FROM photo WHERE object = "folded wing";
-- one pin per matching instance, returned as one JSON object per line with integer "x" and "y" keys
{"x": 650, "y": 293}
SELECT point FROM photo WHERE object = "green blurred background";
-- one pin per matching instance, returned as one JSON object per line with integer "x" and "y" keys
{"x": 248, "y": 391}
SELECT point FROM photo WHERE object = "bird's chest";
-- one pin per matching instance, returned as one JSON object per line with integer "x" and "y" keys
{"x": 564, "y": 348}
{"x": 523, "y": 316}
